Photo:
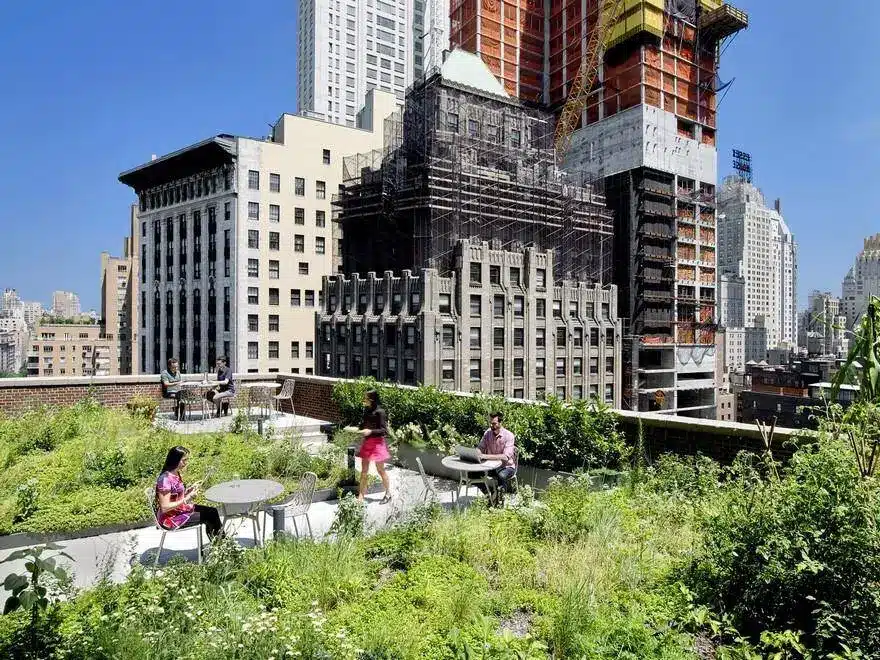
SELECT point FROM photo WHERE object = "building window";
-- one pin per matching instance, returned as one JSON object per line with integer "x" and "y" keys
{"x": 498, "y": 368}
{"x": 274, "y": 240}
{"x": 448, "y": 370}
{"x": 274, "y": 213}
{"x": 540, "y": 337}
{"x": 557, "y": 309}
{"x": 299, "y": 216}
{"x": 540, "y": 367}
{"x": 572, "y": 309}
{"x": 274, "y": 297}
{"x": 391, "y": 368}
{"x": 594, "y": 337}
{"x": 374, "y": 334}
{"x": 578, "y": 337}
{"x": 498, "y": 306}
{"x": 253, "y": 266}
{"x": 253, "y": 239}
{"x": 274, "y": 182}
{"x": 253, "y": 323}
{"x": 476, "y": 274}
{"x": 253, "y": 211}
{"x": 494, "y": 274}
{"x": 498, "y": 337}
{"x": 515, "y": 276}
{"x": 320, "y": 219}
{"x": 445, "y": 305}
{"x": 326, "y": 156}
{"x": 294, "y": 350}
{"x": 415, "y": 302}
{"x": 448, "y": 336}
{"x": 475, "y": 370}
{"x": 310, "y": 298}
{"x": 609, "y": 393}
{"x": 475, "y": 305}
{"x": 475, "y": 338}
{"x": 410, "y": 335}
{"x": 303, "y": 268}
{"x": 560, "y": 367}
{"x": 577, "y": 366}
{"x": 310, "y": 350}
{"x": 609, "y": 365}
{"x": 299, "y": 187}
{"x": 541, "y": 308}
{"x": 319, "y": 245}
{"x": 320, "y": 190}
{"x": 541, "y": 278}
{"x": 299, "y": 243}
{"x": 594, "y": 366}
{"x": 253, "y": 350}
{"x": 273, "y": 350}
{"x": 253, "y": 180}
{"x": 253, "y": 295}
{"x": 518, "y": 367}
{"x": 519, "y": 337}
{"x": 518, "y": 306}
{"x": 295, "y": 298}
{"x": 609, "y": 338}
{"x": 274, "y": 269}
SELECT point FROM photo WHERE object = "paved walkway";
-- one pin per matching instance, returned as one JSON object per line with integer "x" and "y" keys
{"x": 113, "y": 555}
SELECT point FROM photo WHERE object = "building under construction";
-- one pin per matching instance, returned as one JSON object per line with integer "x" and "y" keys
{"x": 467, "y": 161}
{"x": 646, "y": 127}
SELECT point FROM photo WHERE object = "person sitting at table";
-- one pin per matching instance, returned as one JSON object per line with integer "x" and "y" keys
{"x": 374, "y": 428}
{"x": 170, "y": 378}
{"x": 498, "y": 444}
{"x": 225, "y": 389}
{"x": 174, "y": 500}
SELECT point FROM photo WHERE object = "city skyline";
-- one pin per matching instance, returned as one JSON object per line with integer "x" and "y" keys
{"x": 110, "y": 124}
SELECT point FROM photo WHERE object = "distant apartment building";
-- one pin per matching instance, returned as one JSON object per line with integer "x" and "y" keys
{"x": 71, "y": 349}
{"x": 822, "y": 326}
{"x": 65, "y": 305}
{"x": 755, "y": 242}
{"x": 14, "y": 335}
{"x": 234, "y": 237}
{"x": 862, "y": 281}
{"x": 119, "y": 297}
{"x": 497, "y": 323}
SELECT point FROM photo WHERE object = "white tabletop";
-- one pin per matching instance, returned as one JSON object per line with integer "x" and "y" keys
{"x": 244, "y": 491}
{"x": 197, "y": 383}
{"x": 455, "y": 463}
{"x": 266, "y": 384}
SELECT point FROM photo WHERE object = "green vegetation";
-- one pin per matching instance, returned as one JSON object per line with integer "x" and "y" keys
{"x": 87, "y": 466}
{"x": 561, "y": 436}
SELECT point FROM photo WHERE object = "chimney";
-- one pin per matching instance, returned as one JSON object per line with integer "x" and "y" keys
{"x": 778, "y": 206}
{"x": 153, "y": 157}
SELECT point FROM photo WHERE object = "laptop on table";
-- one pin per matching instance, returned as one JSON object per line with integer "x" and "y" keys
{"x": 469, "y": 454}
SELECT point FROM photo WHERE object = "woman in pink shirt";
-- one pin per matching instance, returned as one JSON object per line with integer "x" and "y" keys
{"x": 173, "y": 499}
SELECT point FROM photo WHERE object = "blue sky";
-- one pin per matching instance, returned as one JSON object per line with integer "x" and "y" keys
{"x": 91, "y": 89}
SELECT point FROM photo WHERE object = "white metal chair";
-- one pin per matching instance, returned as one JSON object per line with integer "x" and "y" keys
{"x": 286, "y": 394}
{"x": 297, "y": 505}
{"x": 430, "y": 491}
{"x": 150, "y": 494}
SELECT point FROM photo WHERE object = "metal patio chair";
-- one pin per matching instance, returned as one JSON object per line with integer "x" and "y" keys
{"x": 296, "y": 506}
{"x": 150, "y": 494}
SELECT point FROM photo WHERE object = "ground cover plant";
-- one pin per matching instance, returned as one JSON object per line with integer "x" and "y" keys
{"x": 87, "y": 466}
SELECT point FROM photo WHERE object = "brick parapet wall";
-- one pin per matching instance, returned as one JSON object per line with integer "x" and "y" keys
{"x": 312, "y": 397}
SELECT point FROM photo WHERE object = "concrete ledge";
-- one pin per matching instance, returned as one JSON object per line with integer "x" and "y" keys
{"x": 28, "y": 539}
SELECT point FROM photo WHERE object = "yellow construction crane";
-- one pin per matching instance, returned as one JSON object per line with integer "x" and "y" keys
{"x": 581, "y": 86}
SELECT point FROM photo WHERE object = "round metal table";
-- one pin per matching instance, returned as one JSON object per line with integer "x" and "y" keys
{"x": 202, "y": 386}
{"x": 467, "y": 468}
{"x": 264, "y": 390}
{"x": 244, "y": 496}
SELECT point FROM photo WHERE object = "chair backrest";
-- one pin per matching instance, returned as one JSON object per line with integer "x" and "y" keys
{"x": 287, "y": 389}
{"x": 425, "y": 480}
{"x": 515, "y": 458}
{"x": 301, "y": 500}
{"x": 150, "y": 494}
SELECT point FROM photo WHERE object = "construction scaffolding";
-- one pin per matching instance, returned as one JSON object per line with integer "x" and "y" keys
{"x": 459, "y": 163}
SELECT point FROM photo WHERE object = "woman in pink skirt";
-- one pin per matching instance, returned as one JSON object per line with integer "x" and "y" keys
{"x": 374, "y": 428}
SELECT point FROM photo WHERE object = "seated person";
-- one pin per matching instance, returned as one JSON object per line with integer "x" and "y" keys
{"x": 173, "y": 500}
{"x": 171, "y": 387}
{"x": 498, "y": 444}
{"x": 225, "y": 389}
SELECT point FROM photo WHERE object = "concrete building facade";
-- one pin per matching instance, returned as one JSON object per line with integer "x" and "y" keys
{"x": 861, "y": 281}
{"x": 234, "y": 237}
{"x": 345, "y": 48}
{"x": 119, "y": 300}
{"x": 755, "y": 242}
{"x": 822, "y": 326}
{"x": 71, "y": 349}
{"x": 495, "y": 324}
{"x": 65, "y": 305}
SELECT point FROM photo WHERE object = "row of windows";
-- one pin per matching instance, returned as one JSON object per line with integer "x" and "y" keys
{"x": 299, "y": 214}
{"x": 196, "y": 188}
{"x": 299, "y": 242}
{"x": 391, "y": 368}
{"x": 299, "y": 184}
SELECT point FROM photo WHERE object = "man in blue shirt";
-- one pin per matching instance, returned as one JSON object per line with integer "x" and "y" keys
{"x": 225, "y": 389}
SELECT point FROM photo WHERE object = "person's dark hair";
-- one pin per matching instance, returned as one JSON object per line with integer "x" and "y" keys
{"x": 223, "y": 359}
{"x": 175, "y": 455}
{"x": 172, "y": 361}
{"x": 373, "y": 396}
{"x": 499, "y": 415}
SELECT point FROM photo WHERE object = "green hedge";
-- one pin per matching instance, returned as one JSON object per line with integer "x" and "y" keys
{"x": 556, "y": 435}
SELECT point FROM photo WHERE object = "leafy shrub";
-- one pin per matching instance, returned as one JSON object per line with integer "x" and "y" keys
{"x": 25, "y": 500}
{"x": 143, "y": 406}
{"x": 107, "y": 467}
{"x": 558, "y": 435}
{"x": 799, "y": 552}
{"x": 350, "y": 517}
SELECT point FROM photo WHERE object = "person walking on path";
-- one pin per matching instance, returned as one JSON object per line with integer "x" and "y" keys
{"x": 374, "y": 428}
